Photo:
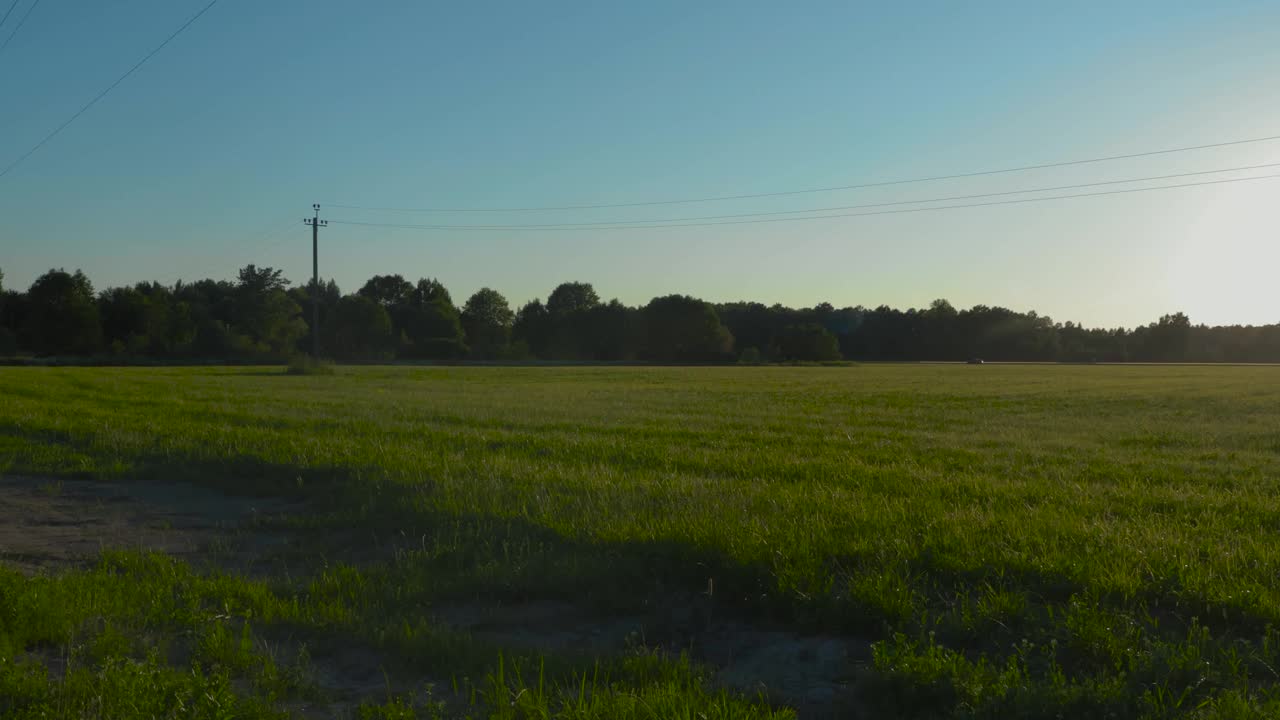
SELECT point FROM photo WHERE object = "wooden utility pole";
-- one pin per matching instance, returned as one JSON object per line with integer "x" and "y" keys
{"x": 316, "y": 223}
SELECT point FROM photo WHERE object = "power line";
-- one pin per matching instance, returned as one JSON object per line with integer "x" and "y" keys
{"x": 8, "y": 12}
{"x": 110, "y": 87}
{"x": 952, "y": 198}
{"x": 274, "y": 232}
{"x": 279, "y": 235}
{"x": 858, "y": 186}
{"x": 811, "y": 217}
{"x": 21, "y": 21}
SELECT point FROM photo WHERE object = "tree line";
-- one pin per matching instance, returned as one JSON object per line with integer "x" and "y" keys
{"x": 260, "y": 317}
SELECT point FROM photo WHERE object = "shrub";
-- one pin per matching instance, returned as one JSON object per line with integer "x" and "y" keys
{"x": 306, "y": 365}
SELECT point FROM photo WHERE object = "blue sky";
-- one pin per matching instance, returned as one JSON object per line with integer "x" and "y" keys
{"x": 207, "y": 158}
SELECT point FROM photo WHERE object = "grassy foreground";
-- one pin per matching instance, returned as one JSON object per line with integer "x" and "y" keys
{"x": 1004, "y": 541}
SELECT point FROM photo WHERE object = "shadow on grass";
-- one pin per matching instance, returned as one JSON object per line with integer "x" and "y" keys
{"x": 423, "y": 554}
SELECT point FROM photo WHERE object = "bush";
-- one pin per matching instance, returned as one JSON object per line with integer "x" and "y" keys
{"x": 750, "y": 356}
{"x": 306, "y": 365}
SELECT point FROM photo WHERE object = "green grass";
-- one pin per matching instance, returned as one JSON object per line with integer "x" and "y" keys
{"x": 1015, "y": 541}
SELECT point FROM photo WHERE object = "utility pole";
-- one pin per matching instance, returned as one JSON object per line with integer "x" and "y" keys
{"x": 316, "y": 223}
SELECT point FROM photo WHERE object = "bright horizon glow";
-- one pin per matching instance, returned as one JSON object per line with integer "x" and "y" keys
{"x": 230, "y": 134}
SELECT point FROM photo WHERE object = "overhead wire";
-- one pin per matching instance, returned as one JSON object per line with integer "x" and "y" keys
{"x": 108, "y": 89}
{"x": 276, "y": 236}
{"x": 274, "y": 233}
{"x": 797, "y": 219}
{"x": 951, "y": 198}
{"x": 857, "y": 186}
{"x": 8, "y": 12}
{"x": 21, "y": 21}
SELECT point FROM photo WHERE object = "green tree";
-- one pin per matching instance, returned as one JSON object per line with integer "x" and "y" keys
{"x": 214, "y": 311}
{"x": 683, "y": 329}
{"x": 8, "y": 334}
{"x": 424, "y": 320}
{"x": 145, "y": 319}
{"x": 573, "y": 323}
{"x": 328, "y": 293}
{"x": 359, "y": 329}
{"x": 430, "y": 290}
{"x": 1168, "y": 339}
{"x": 807, "y": 342}
{"x": 427, "y": 324}
{"x": 941, "y": 324}
{"x": 276, "y": 326}
{"x": 572, "y": 297}
{"x": 62, "y": 316}
{"x": 389, "y": 291}
{"x": 432, "y": 330}
{"x": 532, "y": 328}
{"x": 257, "y": 280}
{"x": 266, "y": 315}
{"x": 487, "y": 320}
{"x": 126, "y": 320}
{"x": 172, "y": 330}
{"x": 752, "y": 324}
{"x": 611, "y": 332}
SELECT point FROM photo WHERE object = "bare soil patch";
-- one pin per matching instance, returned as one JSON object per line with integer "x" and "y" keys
{"x": 813, "y": 673}
{"x": 48, "y": 524}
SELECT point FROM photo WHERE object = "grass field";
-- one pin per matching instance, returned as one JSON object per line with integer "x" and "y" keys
{"x": 880, "y": 541}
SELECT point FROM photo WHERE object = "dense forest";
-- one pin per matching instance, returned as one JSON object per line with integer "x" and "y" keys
{"x": 259, "y": 317}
